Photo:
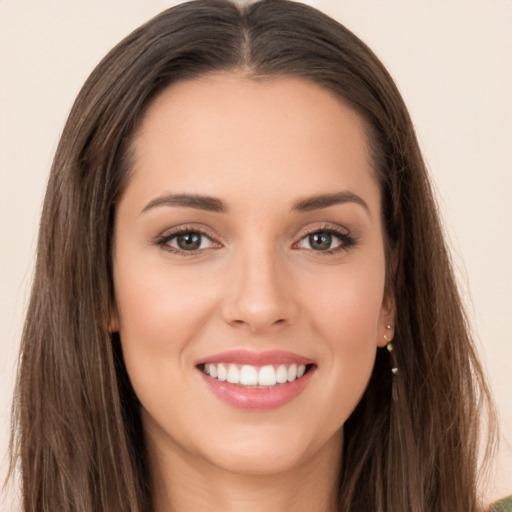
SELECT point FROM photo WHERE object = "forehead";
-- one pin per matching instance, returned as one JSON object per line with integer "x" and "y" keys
{"x": 228, "y": 132}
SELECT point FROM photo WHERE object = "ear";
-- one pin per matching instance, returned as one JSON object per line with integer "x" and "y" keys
{"x": 386, "y": 328}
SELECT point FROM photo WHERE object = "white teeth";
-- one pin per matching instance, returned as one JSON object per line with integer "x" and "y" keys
{"x": 222, "y": 373}
{"x": 248, "y": 375}
{"x": 233, "y": 374}
{"x": 267, "y": 376}
{"x": 282, "y": 374}
{"x": 292, "y": 373}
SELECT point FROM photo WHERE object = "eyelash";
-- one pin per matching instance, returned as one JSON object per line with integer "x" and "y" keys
{"x": 164, "y": 240}
{"x": 346, "y": 240}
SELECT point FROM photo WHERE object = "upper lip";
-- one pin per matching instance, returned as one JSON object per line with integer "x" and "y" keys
{"x": 242, "y": 356}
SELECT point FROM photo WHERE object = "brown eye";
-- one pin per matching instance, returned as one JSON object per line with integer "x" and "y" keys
{"x": 320, "y": 241}
{"x": 189, "y": 241}
{"x": 323, "y": 241}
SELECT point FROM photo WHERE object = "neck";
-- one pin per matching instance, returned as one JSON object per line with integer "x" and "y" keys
{"x": 182, "y": 486}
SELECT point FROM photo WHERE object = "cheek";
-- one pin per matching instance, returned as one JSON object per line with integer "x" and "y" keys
{"x": 346, "y": 303}
{"x": 345, "y": 307}
{"x": 160, "y": 313}
{"x": 159, "y": 320}
{"x": 157, "y": 304}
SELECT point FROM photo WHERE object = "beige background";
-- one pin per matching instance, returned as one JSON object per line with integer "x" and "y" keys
{"x": 451, "y": 60}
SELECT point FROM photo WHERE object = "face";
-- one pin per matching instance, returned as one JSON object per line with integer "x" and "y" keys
{"x": 249, "y": 272}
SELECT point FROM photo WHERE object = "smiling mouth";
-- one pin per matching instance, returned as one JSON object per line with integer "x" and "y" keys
{"x": 250, "y": 376}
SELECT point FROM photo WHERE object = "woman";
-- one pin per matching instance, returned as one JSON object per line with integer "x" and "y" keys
{"x": 237, "y": 223}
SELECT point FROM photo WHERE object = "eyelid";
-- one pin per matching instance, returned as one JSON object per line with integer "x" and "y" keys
{"x": 321, "y": 227}
{"x": 162, "y": 239}
{"x": 347, "y": 240}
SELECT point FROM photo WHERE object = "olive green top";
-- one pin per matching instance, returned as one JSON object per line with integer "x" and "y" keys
{"x": 504, "y": 505}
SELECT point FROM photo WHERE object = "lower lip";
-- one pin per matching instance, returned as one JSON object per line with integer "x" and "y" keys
{"x": 257, "y": 398}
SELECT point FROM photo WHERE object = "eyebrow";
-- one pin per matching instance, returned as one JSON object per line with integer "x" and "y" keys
{"x": 213, "y": 204}
{"x": 325, "y": 200}
{"x": 210, "y": 204}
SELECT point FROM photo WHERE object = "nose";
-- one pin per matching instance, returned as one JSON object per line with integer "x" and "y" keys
{"x": 261, "y": 294}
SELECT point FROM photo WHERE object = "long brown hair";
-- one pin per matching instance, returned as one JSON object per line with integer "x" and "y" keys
{"x": 412, "y": 442}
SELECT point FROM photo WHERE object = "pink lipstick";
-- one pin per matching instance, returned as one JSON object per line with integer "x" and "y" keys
{"x": 256, "y": 380}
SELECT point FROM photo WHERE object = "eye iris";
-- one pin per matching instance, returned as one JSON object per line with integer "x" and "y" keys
{"x": 189, "y": 241}
{"x": 320, "y": 241}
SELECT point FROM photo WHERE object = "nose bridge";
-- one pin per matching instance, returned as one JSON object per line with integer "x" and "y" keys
{"x": 261, "y": 296}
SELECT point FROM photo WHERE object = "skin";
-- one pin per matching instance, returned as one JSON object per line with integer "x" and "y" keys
{"x": 256, "y": 283}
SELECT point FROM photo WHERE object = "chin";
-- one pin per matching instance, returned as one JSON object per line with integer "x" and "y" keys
{"x": 272, "y": 451}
